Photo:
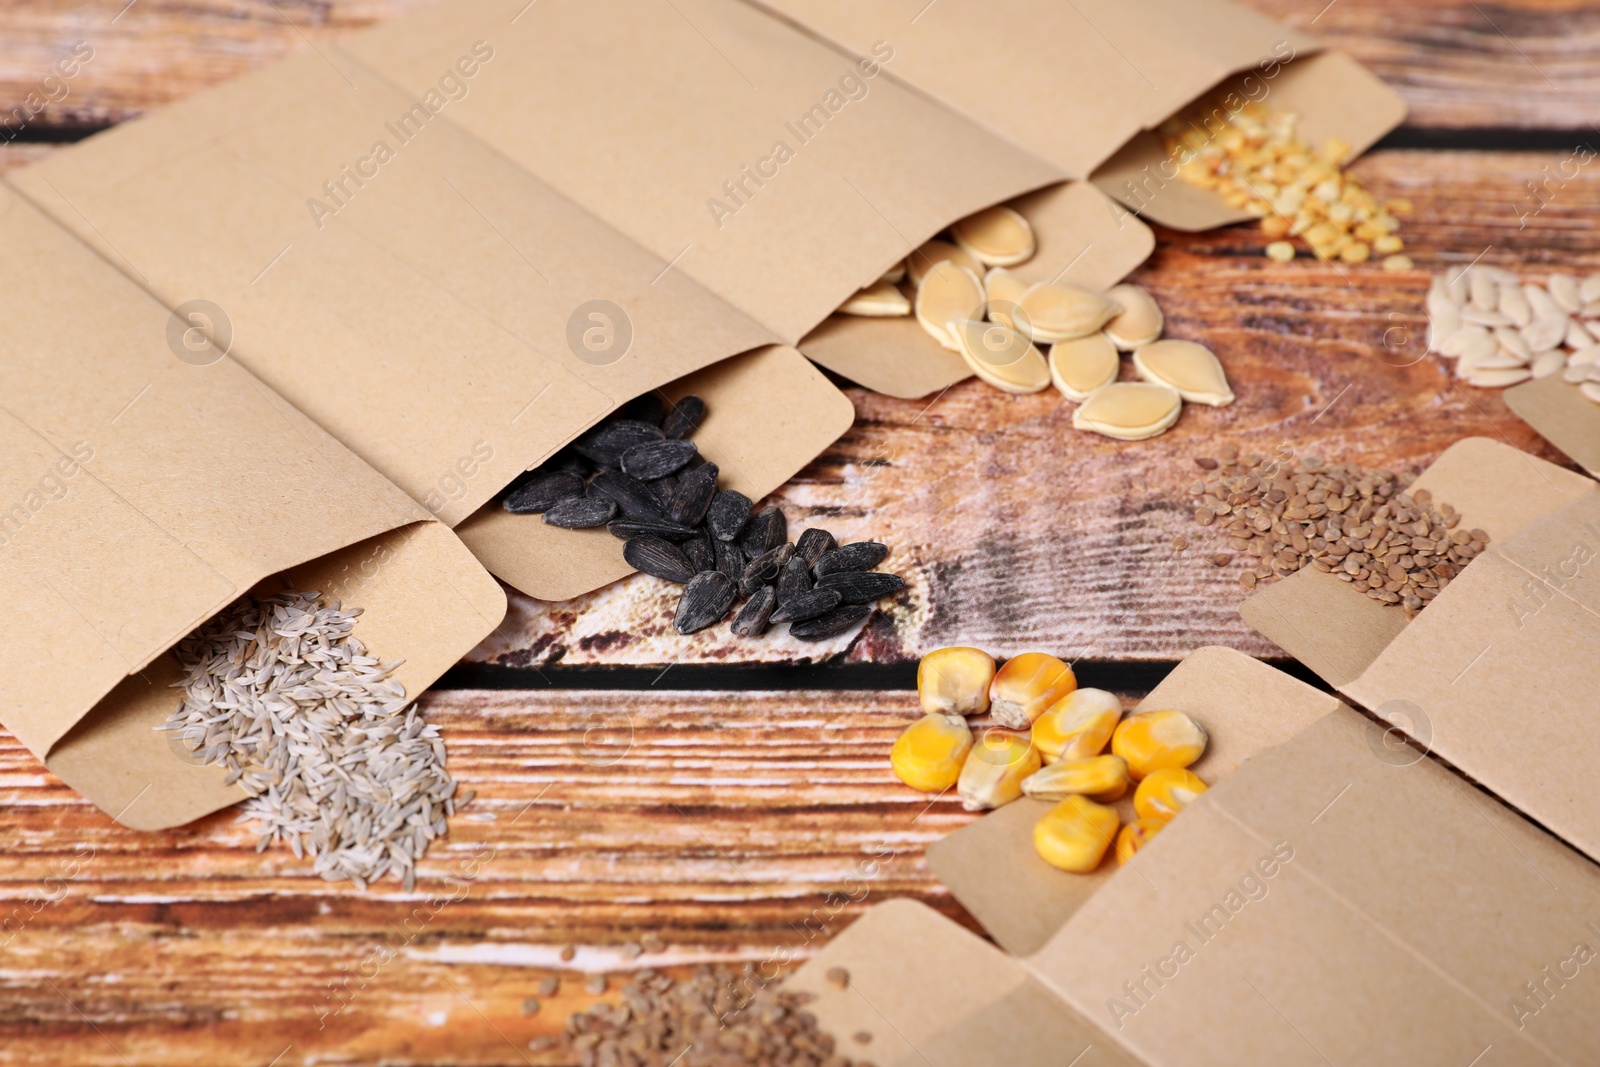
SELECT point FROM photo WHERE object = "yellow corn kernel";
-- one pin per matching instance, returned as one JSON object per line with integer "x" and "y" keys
{"x": 1152, "y": 740}
{"x": 1077, "y": 726}
{"x": 1075, "y": 834}
{"x": 1026, "y": 686}
{"x": 1105, "y": 778}
{"x": 955, "y": 681}
{"x": 994, "y": 771}
{"x": 1135, "y": 836}
{"x": 1166, "y": 792}
{"x": 929, "y": 754}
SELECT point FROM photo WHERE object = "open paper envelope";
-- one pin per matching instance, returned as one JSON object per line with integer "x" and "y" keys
{"x": 1564, "y": 416}
{"x": 1080, "y": 84}
{"x": 1326, "y": 901}
{"x": 1500, "y": 674}
{"x": 142, "y": 494}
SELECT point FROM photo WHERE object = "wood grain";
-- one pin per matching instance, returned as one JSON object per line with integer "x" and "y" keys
{"x": 1520, "y": 63}
{"x": 733, "y": 826}
{"x": 1016, "y": 532}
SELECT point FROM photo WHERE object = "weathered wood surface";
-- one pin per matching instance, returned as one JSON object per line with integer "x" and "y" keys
{"x": 1017, "y": 532}
{"x": 1519, "y": 63}
{"x": 730, "y": 825}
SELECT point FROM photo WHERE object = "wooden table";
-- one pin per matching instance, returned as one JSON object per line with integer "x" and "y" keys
{"x": 713, "y": 791}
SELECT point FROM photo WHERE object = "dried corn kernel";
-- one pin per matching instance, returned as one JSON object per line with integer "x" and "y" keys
{"x": 1077, "y": 726}
{"x": 955, "y": 681}
{"x": 994, "y": 770}
{"x": 1104, "y": 778}
{"x": 1152, "y": 740}
{"x": 929, "y": 754}
{"x": 1166, "y": 792}
{"x": 1135, "y": 836}
{"x": 1075, "y": 834}
{"x": 1026, "y": 686}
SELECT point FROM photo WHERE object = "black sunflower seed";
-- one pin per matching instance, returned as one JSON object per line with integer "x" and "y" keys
{"x": 729, "y": 510}
{"x": 633, "y": 498}
{"x": 692, "y": 498}
{"x": 857, "y": 556}
{"x": 832, "y": 624}
{"x": 765, "y": 531}
{"x": 699, "y": 552}
{"x": 795, "y": 580}
{"x": 657, "y": 459}
{"x": 705, "y": 601}
{"x": 729, "y": 557}
{"x": 605, "y": 444}
{"x": 568, "y": 460}
{"x": 660, "y": 558}
{"x": 807, "y": 605}
{"x": 862, "y": 587}
{"x": 627, "y": 529}
{"x": 813, "y": 544}
{"x": 756, "y": 614}
{"x": 543, "y": 490}
{"x": 683, "y": 418}
{"x": 764, "y": 568}
{"x": 647, "y": 408}
{"x": 580, "y": 512}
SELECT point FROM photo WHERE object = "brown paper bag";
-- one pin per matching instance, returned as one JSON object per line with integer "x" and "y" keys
{"x": 147, "y": 485}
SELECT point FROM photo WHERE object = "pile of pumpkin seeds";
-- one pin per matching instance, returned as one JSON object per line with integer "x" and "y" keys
{"x": 718, "y": 1017}
{"x": 964, "y": 293}
{"x": 1360, "y": 525}
{"x": 1502, "y": 331}
{"x": 640, "y": 477}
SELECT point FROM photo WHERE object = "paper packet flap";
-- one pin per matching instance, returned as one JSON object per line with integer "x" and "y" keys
{"x": 778, "y": 172}
{"x": 1334, "y": 96}
{"x": 1562, "y": 415}
{"x": 423, "y": 597}
{"x": 1331, "y": 903}
{"x": 142, "y": 492}
{"x": 911, "y": 972}
{"x": 768, "y": 413}
{"x": 1338, "y": 632}
{"x": 1082, "y": 238}
{"x": 447, "y": 315}
{"x": 991, "y": 866}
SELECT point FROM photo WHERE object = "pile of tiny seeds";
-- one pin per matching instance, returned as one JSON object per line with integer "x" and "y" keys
{"x": 282, "y": 694}
{"x": 1502, "y": 331}
{"x": 637, "y": 475}
{"x": 1360, "y": 525}
{"x": 1257, "y": 162}
{"x": 718, "y": 1017}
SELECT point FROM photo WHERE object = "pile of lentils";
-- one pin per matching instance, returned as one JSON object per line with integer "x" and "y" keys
{"x": 640, "y": 477}
{"x": 1362, "y": 526}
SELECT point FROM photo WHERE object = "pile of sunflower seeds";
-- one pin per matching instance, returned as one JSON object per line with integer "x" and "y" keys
{"x": 1360, "y": 525}
{"x": 1501, "y": 331}
{"x": 641, "y": 478}
{"x": 718, "y": 1017}
{"x": 281, "y": 693}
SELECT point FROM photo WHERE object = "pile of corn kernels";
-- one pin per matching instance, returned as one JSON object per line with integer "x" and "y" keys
{"x": 1052, "y": 747}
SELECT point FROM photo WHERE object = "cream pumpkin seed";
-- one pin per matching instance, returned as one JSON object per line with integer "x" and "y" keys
{"x": 1502, "y": 330}
{"x": 1001, "y": 356}
{"x": 924, "y": 259}
{"x": 997, "y": 236}
{"x": 948, "y": 293}
{"x": 879, "y": 300}
{"x": 1057, "y": 311}
{"x": 1079, "y": 367}
{"x": 1547, "y": 363}
{"x": 1129, "y": 411}
{"x": 1591, "y": 390}
{"x": 1191, "y": 369}
{"x": 1004, "y": 290}
{"x": 895, "y": 274}
{"x": 1138, "y": 321}
{"x": 1498, "y": 377}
